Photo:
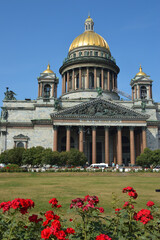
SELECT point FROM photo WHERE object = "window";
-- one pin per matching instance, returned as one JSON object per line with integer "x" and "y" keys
{"x": 70, "y": 82}
{"x": 47, "y": 89}
{"x": 100, "y": 81}
{"x": 80, "y": 54}
{"x": 74, "y": 55}
{"x": 101, "y": 54}
{"x": 20, "y": 145}
{"x": 90, "y": 53}
{"x": 83, "y": 81}
{"x": 95, "y": 53}
{"x": 91, "y": 80}
{"x": 143, "y": 92}
{"x": 77, "y": 81}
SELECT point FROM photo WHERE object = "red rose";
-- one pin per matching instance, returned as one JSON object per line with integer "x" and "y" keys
{"x": 117, "y": 210}
{"x": 49, "y": 215}
{"x": 150, "y": 204}
{"x": 60, "y": 235}
{"x": 56, "y": 224}
{"x": 101, "y": 210}
{"x": 103, "y": 237}
{"x": 127, "y": 204}
{"x": 46, "y": 233}
{"x": 34, "y": 218}
{"x": 70, "y": 231}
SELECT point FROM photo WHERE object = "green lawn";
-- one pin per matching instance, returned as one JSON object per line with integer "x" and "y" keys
{"x": 40, "y": 187}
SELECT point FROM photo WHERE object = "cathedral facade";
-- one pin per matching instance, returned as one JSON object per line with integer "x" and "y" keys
{"x": 89, "y": 115}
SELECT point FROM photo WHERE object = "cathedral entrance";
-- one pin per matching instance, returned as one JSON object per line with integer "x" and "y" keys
{"x": 98, "y": 152}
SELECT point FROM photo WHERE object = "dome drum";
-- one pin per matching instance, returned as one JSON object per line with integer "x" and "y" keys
{"x": 89, "y": 94}
{"x": 89, "y": 78}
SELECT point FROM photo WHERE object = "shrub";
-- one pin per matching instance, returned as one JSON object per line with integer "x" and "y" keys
{"x": 76, "y": 158}
{"x": 33, "y": 156}
{"x": 91, "y": 224}
{"x": 13, "y": 156}
{"x": 144, "y": 159}
{"x": 12, "y": 168}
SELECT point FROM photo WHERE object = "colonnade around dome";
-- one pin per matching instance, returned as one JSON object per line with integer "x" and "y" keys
{"x": 88, "y": 78}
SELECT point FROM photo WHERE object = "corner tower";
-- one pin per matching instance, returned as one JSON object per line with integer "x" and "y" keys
{"x": 141, "y": 87}
{"x": 89, "y": 66}
{"x": 47, "y": 85}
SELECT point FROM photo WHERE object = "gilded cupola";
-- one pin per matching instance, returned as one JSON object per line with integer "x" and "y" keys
{"x": 89, "y": 37}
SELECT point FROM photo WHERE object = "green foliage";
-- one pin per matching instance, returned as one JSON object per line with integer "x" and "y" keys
{"x": 64, "y": 157}
{"x": 33, "y": 156}
{"x": 12, "y": 168}
{"x": 12, "y": 156}
{"x": 145, "y": 159}
{"x": 76, "y": 158}
{"x": 155, "y": 157}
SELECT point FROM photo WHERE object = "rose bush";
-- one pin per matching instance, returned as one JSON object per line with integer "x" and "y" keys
{"x": 89, "y": 221}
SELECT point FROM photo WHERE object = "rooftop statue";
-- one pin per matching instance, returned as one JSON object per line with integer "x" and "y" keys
{"x": 100, "y": 91}
{"x": 4, "y": 114}
{"x": 9, "y": 95}
{"x": 143, "y": 105}
{"x": 57, "y": 104}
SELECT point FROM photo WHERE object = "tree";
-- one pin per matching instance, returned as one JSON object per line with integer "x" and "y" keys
{"x": 12, "y": 156}
{"x": 76, "y": 158}
{"x": 50, "y": 157}
{"x": 155, "y": 157}
{"x": 33, "y": 156}
{"x": 144, "y": 159}
{"x": 64, "y": 156}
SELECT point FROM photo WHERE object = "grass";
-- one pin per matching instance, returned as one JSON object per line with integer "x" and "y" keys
{"x": 40, "y": 187}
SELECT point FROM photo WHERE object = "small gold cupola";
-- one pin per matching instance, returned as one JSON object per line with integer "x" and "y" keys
{"x": 140, "y": 73}
{"x": 89, "y": 24}
{"x": 48, "y": 70}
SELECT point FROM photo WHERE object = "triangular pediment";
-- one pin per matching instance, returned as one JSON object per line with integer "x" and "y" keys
{"x": 99, "y": 109}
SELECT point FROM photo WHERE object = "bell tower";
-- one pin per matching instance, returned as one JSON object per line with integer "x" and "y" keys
{"x": 47, "y": 85}
{"x": 141, "y": 87}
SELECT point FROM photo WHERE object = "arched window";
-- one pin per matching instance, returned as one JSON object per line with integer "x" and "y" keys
{"x": 20, "y": 145}
{"x": 91, "y": 80}
{"x": 47, "y": 89}
{"x": 77, "y": 81}
{"x": 143, "y": 92}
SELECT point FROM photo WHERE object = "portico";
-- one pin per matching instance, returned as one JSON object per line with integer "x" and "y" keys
{"x": 101, "y": 131}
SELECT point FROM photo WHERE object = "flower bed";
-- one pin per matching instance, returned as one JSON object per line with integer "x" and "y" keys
{"x": 89, "y": 221}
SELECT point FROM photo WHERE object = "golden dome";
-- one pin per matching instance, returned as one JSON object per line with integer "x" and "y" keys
{"x": 89, "y": 19}
{"x": 89, "y": 38}
{"x": 140, "y": 73}
{"x": 48, "y": 70}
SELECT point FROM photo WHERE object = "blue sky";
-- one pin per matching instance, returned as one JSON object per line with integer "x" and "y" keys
{"x": 35, "y": 32}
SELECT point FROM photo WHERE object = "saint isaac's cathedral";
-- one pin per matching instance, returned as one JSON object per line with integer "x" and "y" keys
{"x": 89, "y": 114}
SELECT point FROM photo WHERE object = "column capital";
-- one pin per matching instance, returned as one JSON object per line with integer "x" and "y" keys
{"x": 106, "y": 127}
{"x": 94, "y": 127}
{"x": 55, "y": 127}
{"x": 81, "y": 128}
{"x": 68, "y": 127}
{"x": 131, "y": 127}
{"x": 144, "y": 128}
{"x": 119, "y": 127}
